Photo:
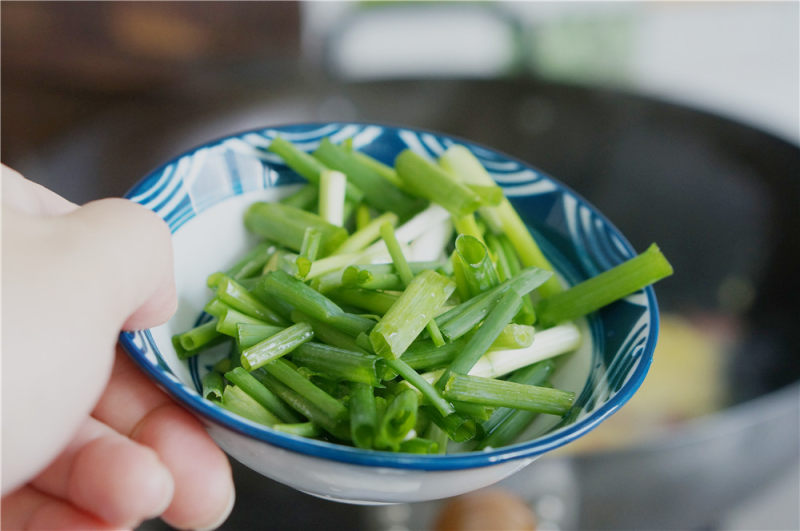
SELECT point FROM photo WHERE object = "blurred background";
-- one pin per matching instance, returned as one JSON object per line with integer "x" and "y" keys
{"x": 678, "y": 120}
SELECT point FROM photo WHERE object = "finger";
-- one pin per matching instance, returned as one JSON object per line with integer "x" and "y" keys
{"x": 27, "y": 508}
{"x": 203, "y": 486}
{"x": 132, "y": 250}
{"x": 81, "y": 276}
{"x": 30, "y": 197}
{"x": 109, "y": 476}
{"x": 204, "y": 494}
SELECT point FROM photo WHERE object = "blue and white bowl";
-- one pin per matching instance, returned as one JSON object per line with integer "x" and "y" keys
{"x": 203, "y": 194}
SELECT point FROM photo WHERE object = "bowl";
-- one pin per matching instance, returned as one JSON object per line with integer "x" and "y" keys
{"x": 202, "y": 195}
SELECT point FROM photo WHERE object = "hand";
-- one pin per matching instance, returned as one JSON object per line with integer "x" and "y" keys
{"x": 88, "y": 441}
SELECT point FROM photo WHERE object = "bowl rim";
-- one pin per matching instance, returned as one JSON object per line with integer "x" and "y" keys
{"x": 376, "y": 458}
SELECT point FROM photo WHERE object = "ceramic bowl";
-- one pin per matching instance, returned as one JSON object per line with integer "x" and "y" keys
{"x": 202, "y": 195}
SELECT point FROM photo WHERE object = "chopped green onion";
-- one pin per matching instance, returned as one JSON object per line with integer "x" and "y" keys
{"x": 478, "y": 268}
{"x": 338, "y": 363}
{"x": 363, "y": 416}
{"x": 328, "y": 405}
{"x": 301, "y": 429}
{"x": 499, "y": 316}
{"x": 364, "y": 236}
{"x": 431, "y": 182}
{"x": 287, "y": 225}
{"x": 248, "y": 334}
{"x": 378, "y": 192}
{"x": 605, "y": 288}
{"x": 398, "y": 420}
{"x": 237, "y": 401}
{"x": 502, "y": 393}
{"x": 306, "y": 165}
{"x": 331, "y": 196}
{"x": 373, "y": 301}
{"x": 196, "y": 338}
{"x": 234, "y": 295}
{"x": 305, "y": 198}
{"x": 258, "y": 392}
{"x": 412, "y": 311}
{"x": 230, "y": 318}
{"x": 276, "y": 346}
{"x": 213, "y": 386}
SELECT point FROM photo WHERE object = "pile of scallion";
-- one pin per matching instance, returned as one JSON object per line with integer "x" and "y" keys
{"x": 364, "y": 318}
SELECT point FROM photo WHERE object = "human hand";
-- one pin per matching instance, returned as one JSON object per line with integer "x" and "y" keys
{"x": 87, "y": 441}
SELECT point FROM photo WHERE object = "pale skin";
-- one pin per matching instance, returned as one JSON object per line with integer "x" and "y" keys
{"x": 88, "y": 442}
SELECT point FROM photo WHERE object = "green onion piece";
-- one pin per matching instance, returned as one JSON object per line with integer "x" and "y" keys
{"x": 363, "y": 216}
{"x": 301, "y": 429}
{"x": 215, "y": 307}
{"x": 468, "y": 226}
{"x": 546, "y": 344}
{"x": 327, "y": 404}
{"x": 492, "y": 392}
{"x": 424, "y": 355}
{"x": 535, "y": 374}
{"x": 258, "y": 392}
{"x": 459, "y": 277}
{"x": 478, "y": 268}
{"x": 437, "y": 435}
{"x": 477, "y": 412}
{"x": 490, "y": 195}
{"x": 459, "y": 320}
{"x": 223, "y": 365}
{"x": 287, "y": 226}
{"x": 248, "y": 334}
{"x": 372, "y": 301}
{"x": 429, "y": 393}
{"x": 307, "y": 300}
{"x": 199, "y": 336}
{"x": 605, "y": 288}
{"x": 305, "y": 198}
{"x": 306, "y": 165}
{"x": 234, "y": 295}
{"x": 378, "y": 192}
{"x": 419, "y": 445}
{"x": 458, "y": 427}
{"x": 385, "y": 171}
{"x": 400, "y": 263}
{"x": 337, "y": 363}
{"x": 230, "y": 318}
{"x": 508, "y": 265}
{"x": 332, "y": 185}
{"x": 363, "y": 416}
{"x": 415, "y": 307}
{"x": 353, "y": 277}
{"x": 251, "y": 263}
{"x": 398, "y": 420}
{"x": 311, "y": 241}
{"x": 433, "y": 183}
{"x": 304, "y": 406}
{"x": 458, "y": 160}
{"x": 480, "y": 342}
{"x": 405, "y": 274}
{"x": 367, "y": 234}
{"x": 213, "y": 386}
{"x": 327, "y": 333}
{"x": 514, "y": 336}
{"x": 237, "y": 401}
{"x": 526, "y": 247}
{"x": 276, "y": 346}
{"x": 308, "y": 251}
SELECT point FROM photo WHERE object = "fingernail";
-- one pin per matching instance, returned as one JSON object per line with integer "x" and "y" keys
{"x": 224, "y": 516}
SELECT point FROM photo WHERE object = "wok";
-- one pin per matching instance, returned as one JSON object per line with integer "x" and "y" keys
{"x": 719, "y": 197}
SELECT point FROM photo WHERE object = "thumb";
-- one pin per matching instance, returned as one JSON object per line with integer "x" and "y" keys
{"x": 131, "y": 248}
{"x": 77, "y": 279}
